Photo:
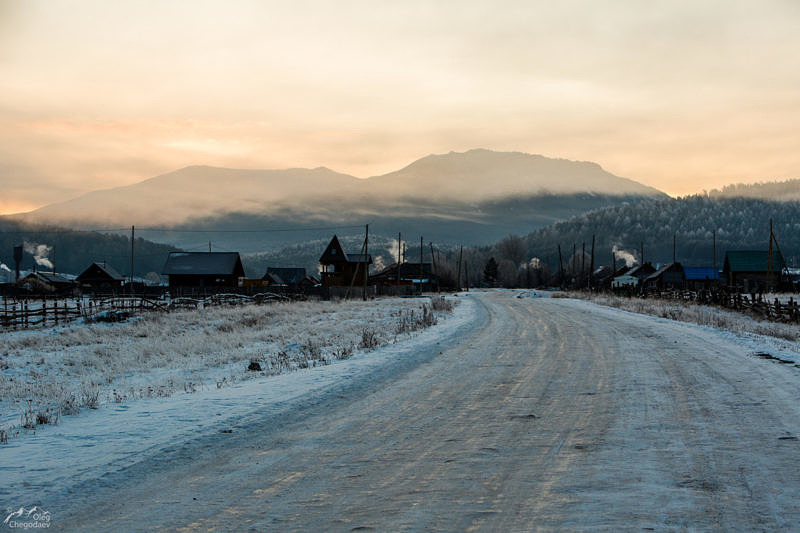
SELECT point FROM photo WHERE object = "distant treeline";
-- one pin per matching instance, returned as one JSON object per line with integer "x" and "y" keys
{"x": 73, "y": 251}
{"x": 778, "y": 191}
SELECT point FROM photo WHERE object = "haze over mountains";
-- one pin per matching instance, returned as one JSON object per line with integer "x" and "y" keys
{"x": 472, "y": 197}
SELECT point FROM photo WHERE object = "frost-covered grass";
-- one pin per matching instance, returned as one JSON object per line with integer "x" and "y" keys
{"x": 59, "y": 371}
{"x": 704, "y": 315}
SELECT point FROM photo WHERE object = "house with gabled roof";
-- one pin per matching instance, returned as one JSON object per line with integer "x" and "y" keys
{"x": 751, "y": 269}
{"x": 46, "y": 282}
{"x": 204, "y": 269}
{"x": 100, "y": 276}
{"x": 670, "y": 276}
{"x": 342, "y": 269}
{"x": 285, "y": 276}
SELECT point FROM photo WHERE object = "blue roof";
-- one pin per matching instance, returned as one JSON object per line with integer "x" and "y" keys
{"x": 700, "y": 273}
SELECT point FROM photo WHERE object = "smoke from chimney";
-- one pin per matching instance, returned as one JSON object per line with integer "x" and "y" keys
{"x": 39, "y": 253}
{"x": 626, "y": 256}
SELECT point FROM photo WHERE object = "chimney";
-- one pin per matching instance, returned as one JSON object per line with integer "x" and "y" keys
{"x": 18, "y": 258}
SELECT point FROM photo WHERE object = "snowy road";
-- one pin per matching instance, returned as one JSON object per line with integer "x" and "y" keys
{"x": 548, "y": 414}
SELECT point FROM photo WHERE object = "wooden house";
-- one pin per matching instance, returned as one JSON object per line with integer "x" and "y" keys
{"x": 700, "y": 278}
{"x": 602, "y": 277}
{"x": 340, "y": 269}
{"x": 641, "y": 272}
{"x": 204, "y": 269}
{"x": 100, "y": 276}
{"x": 45, "y": 282}
{"x": 669, "y": 276}
{"x": 625, "y": 282}
{"x": 750, "y": 269}
{"x": 284, "y": 277}
{"x": 412, "y": 274}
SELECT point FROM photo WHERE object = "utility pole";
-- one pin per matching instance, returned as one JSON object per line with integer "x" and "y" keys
{"x": 209, "y": 246}
{"x": 466, "y": 274}
{"x": 458, "y": 282}
{"x": 132, "y": 235}
{"x": 583, "y": 262}
{"x": 574, "y": 259}
{"x": 560, "y": 267}
{"x": 421, "y": 247}
{"x": 366, "y": 260}
{"x": 674, "y": 246}
{"x": 591, "y": 268}
{"x": 714, "y": 234}
{"x": 613, "y": 263}
{"x": 399, "y": 253}
{"x": 769, "y": 258}
{"x": 435, "y": 270}
{"x": 54, "y": 259}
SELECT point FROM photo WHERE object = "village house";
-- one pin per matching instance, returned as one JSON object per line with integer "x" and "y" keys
{"x": 289, "y": 277}
{"x": 100, "y": 276}
{"x": 632, "y": 278}
{"x": 204, "y": 269}
{"x": 750, "y": 269}
{"x": 669, "y": 276}
{"x": 340, "y": 269}
{"x": 418, "y": 275}
{"x": 45, "y": 282}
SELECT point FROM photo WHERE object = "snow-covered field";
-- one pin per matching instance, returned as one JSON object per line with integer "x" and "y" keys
{"x": 171, "y": 378}
{"x": 56, "y": 372}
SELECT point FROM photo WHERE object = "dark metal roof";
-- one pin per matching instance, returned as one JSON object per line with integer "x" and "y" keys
{"x": 203, "y": 264}
{"x": 359, "y": 258}
{"x": 407, "y": 270}
{"x": 663, "y": 269}
{"x": 700, "y": 273}
{"x": 289, "y": 276}
{"x": 105, "y": 269}
{"x": 752, "y": 261}
{"x": 641, "y": 271}
{"x": 273, "y": 278}
{"x": 334, "y": 253}
{"x": 49, "y": 277}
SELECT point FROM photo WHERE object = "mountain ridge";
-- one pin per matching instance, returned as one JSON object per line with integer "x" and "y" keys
{"x": 473, "y": 176}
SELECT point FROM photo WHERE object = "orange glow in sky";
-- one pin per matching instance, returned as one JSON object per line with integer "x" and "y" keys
{"x": 679, "y": 95}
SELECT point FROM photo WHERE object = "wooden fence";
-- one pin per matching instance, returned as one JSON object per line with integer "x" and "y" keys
{"x": 23, "y": 314}
{"x": 754, "y": 304}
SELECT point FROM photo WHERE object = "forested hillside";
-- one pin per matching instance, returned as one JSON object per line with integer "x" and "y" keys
{"x": 740, "y": 223}
{"x": 72, "y": 251}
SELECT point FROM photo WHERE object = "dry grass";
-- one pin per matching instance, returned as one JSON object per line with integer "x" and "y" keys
{"x": 704, "y": 315}
{"x": 64, "y": 370}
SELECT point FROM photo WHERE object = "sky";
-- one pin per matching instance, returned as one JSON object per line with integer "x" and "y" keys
{"x": 680, "y": 95}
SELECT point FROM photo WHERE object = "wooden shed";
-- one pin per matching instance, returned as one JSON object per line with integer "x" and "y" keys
{"x": 204, "y": 269}
{"x": 340, "y": 269}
